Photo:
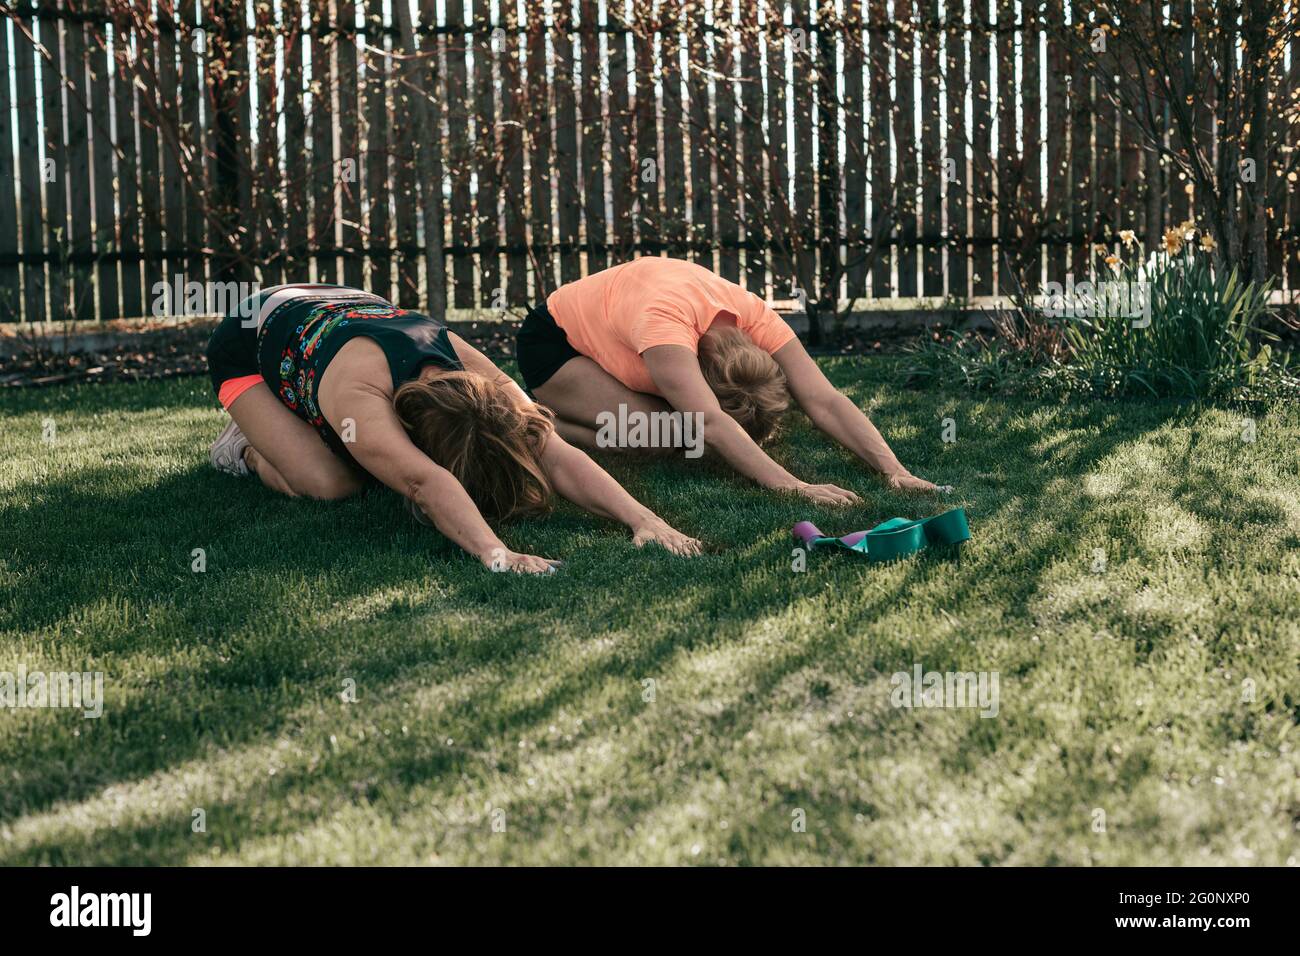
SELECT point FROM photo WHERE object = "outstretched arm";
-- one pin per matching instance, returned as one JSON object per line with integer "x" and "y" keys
{"x": 579, "y": 479}
{"x": 837, "y": 416}
{"x": 383, "y": 448}
{"x": 582, "y": 481}
{"x": 676, "y": 373}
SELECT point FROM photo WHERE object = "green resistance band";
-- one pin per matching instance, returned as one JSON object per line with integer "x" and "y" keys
{"x": 895, "y": 538}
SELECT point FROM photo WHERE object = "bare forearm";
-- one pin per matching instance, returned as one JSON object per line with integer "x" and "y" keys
{"x": 844, "y": 421}
{"x": 579, "y": 479}
{"x": 434, "y": 490}
{"x": 453, "y": 512}
{"x": 385, "y": 450}
{"x": 728, "y": 439}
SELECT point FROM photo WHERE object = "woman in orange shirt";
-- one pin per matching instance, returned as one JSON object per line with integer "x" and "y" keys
{"x": 659, "y": 335}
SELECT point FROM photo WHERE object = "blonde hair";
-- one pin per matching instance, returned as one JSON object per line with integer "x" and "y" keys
{"x": 748, "y": 383}
{"x": 484, "y": 435}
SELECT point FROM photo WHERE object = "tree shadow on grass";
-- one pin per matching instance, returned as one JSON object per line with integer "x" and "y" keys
{"x": 1200, "y": 491}
{"x": 258, "y": 537}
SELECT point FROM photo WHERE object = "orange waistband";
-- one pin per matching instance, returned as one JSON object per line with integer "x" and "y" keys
{"x": 232, "y": 388}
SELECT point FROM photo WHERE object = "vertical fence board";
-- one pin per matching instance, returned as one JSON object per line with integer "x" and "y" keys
{"x": 981, "y": 193}
{"x": 1056, "y": 225}
{"x": 150, "y": 167}
{"x": 269, "y": 216}
{"x": 1203, "y": 113}
{"x": 648, "y": 160}
{"x": 107, "y": 247}
{"x": 1176, "y": 183}
{"x": 513, "y": 116}
{"x": 905, "y": 142}
{"x": 884, "y": 198}
{"x": 828, "y": 157}
{"x": 79, "y": 211}
{"x": 1272, "y": 168}
{"x": 1032, "y": 137}
{"x": 458, "y": 155}
{"x": 568, "y": 205}
{"x": 753, "y": 190}
{"x": 1106, "y": 122}
{"x": 10, "y": 282}
{"x": 929, "y": 167}
{"x": 855, "y": 166}
{"x": 1009, "y": 173}
{"x": 956, "y": 176}
{"x": 700, "y": 235}
{"x": 1292, "y": 249}
{"x": 486, "y": 194}
{"x": 1278, "y": 152}
{"x": 55, "y": 171}
{"x": 593, "y": 140}
{"x": 1131, "y": 195}
{"x": 727, "y": 174}
{"x": 673, "y": 168}
{"x": 29, "y": 171}
{"x": 128, "y": 189}
{"x": 242, "y": 74}
{"x": 406, "y": 190}
{"x": 540, "y": 133}
{"x": 322, "y": 147}
{"x": 349, "y": 145}
{"x": 1153, "y": 173}
{"x": 777, "y": 199}
{"x": 378, "y": 239}
{"x": 173, "y": 209}
{"x": 803, "y": 232}
{"x": 195, "y": 193}
{"x": 429, "y": 156}
{"x": 1081, "y": 175}
{"x": 621, "y": 171}
{"x": 297, "y": 256}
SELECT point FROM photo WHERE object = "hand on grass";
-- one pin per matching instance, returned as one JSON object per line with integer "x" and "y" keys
{"x": 656, "y": 529}
{"x": 499, "y": 559}
{"x": 905, "y": 481}
{"x": 827, "y": 494}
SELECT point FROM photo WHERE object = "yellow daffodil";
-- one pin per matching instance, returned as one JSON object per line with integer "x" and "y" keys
{"x": 1173, "y": 241}
{"x": 1128, "y": 237}
{"x": 1207, "y": 242}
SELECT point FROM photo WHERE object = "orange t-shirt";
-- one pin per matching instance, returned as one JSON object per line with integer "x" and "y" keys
{"x": 613, "y": 316}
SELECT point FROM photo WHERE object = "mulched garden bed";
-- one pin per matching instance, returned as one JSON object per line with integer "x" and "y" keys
{"x": 180, "y": 351}
{"x": 153, "y": 355}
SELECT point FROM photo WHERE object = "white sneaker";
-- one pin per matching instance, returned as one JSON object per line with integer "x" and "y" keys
{"x": 227, "y": 452}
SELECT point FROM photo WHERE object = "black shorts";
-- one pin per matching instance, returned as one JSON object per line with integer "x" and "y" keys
{"x": 541, "y": 348}
{"x": 232, "y": 350}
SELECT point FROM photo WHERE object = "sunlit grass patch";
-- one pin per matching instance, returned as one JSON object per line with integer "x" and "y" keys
{"x": 341, "y": 686}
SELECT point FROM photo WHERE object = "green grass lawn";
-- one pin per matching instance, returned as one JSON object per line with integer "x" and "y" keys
{"x": 485, "y": 698}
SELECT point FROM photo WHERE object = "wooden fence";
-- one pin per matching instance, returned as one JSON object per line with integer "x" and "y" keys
{"x": 476, "y": 153}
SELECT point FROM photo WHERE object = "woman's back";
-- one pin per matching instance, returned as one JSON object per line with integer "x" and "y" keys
{"x": 305, "y": 329}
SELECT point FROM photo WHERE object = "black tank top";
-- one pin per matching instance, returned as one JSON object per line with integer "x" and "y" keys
{"x": 300, "y": 338}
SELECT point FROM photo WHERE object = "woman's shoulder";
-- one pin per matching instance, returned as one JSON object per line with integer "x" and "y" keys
{"x": 359, "y": 360}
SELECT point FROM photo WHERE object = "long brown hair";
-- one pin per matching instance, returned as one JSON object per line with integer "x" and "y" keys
{"x": 748, "y": 383}
{"x": 485, "y": 434}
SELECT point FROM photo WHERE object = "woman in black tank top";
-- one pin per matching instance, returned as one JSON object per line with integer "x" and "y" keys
{"x": 329, "y": 388}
